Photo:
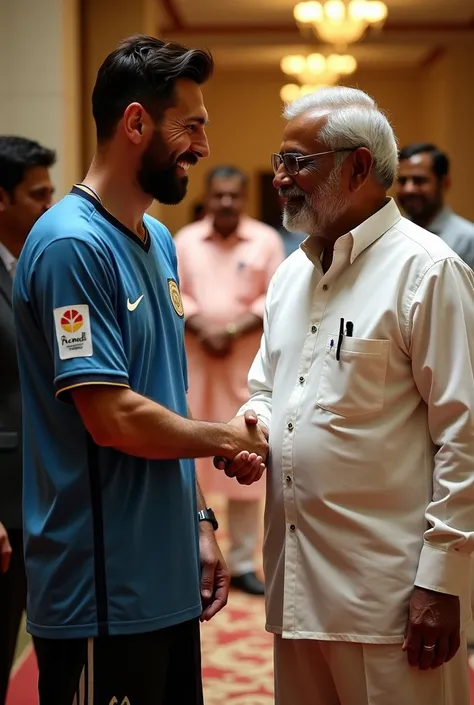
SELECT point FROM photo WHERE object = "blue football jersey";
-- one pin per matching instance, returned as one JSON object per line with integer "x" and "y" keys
{"x": 111, "y": 540}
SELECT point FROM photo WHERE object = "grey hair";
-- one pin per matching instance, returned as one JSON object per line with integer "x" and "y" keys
{"x": 353, "y": 120}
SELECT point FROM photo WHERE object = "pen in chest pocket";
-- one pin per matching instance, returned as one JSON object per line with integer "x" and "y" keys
{"x": 349, "y": 334}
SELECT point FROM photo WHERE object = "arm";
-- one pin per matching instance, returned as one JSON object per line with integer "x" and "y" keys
{"x": 273, "y": 258}
{"x": 215, "y": 576}
{"x": 95, "y": 372}
{"x": 119, "y": 418}
{"x": 5, "y": 550}
{"x": 442, "y": 351}
{"x": 258, "y": 410}
{"x": 260, "y": 379}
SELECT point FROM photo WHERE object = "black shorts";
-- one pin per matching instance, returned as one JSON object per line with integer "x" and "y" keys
{"x": 156, "y": 668}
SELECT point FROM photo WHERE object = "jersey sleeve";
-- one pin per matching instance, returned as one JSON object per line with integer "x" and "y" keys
{"x": 72, "y": 293}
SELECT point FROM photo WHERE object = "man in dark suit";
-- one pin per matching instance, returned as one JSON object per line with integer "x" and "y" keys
{"x": 25, "y": 194}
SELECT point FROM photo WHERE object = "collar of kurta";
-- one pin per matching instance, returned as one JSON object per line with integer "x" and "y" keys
{"x": 361, "y": 237}
{"x": 242, "y": 232}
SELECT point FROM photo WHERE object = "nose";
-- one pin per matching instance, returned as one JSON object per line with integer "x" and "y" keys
{"x": 409, "y": 187}
{"x": 226, "y": 201}
{"x": 201, "y": 147}
{"x": 281, "y": 178}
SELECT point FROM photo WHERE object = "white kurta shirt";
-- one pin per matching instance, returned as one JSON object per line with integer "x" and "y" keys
{"x": 370, "y": 487}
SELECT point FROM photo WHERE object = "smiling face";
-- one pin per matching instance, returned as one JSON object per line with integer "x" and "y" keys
{"x": 176, "y": 144}
{"x": 420, "y": 192}
{"x": 313, "y": 198}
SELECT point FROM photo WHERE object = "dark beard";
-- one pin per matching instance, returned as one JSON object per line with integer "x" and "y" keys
{"x": 159, "y": 179}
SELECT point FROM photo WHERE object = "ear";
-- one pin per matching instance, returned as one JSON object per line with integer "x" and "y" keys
{"x": 446, "y": 183}
{"x": 136, "y": 122}
{"x": 5, "y": 199}
{"x": 361, "y": 163}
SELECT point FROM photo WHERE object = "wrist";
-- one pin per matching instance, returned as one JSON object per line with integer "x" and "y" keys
{"x": 207, "y": 520}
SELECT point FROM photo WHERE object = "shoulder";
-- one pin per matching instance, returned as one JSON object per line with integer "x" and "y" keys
{"x": 191, "y": 232}
{"x": 156, "y": 228}
{"x": 260, "y": 230}
{"x": 70, "y": 218}
{"x": 419, "y": 244}
{"x": 461, "y": 226}
{"x": 62, "y": 241}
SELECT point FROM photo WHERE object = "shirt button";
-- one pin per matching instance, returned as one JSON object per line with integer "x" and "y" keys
{"x": 292, "y": 527}
{"x": 313, "y": 329}
{"x": 290, "y": 426}
{"x": 301, "y": 380}
{"x": 325, "y": 287}
{"x": 288, "y": 479}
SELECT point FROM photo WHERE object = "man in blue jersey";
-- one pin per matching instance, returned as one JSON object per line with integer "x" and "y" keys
{"x": 119, "y": 568}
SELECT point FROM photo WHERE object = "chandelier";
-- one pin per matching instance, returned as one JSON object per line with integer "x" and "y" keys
{"x": 292, "y": 91}
{"x": 340, "y": 22}
{"x": 313, "y": 72}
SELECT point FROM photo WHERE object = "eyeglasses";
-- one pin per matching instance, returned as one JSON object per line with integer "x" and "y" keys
{"x": 292, "y": 162}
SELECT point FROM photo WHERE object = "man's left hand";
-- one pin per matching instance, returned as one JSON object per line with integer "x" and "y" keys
{"x": 432, "y": 634}
{"x": 215, "y": 577}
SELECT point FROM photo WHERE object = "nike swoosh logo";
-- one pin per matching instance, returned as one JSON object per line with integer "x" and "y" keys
{"x": 132, "y": 307}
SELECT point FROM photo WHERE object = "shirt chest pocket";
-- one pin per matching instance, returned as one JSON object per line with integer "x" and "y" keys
{"x": 354, "y": 385}
{"x": 250, "y": 281}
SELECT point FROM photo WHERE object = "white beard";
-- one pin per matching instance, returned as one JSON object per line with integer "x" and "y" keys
{"x": 319, "y": 209}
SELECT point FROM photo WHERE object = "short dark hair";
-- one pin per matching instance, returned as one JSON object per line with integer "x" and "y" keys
{"x": 440, "y": 160}
{"x": 144, "y": 69}
{"x": 17, "y": 155}
{"x": 226, "y": 171}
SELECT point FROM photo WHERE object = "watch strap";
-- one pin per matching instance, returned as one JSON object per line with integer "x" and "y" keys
{"x": 208, "y": 515}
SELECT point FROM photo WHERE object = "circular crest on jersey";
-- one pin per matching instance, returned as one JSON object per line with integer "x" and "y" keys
{"x": 175, "y": 297}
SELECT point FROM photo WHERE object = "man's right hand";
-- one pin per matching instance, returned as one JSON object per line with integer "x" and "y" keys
{"x": 246, "y": 466}
{"x": 5, "y": 550}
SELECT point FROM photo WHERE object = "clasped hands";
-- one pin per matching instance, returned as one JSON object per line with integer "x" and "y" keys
{"x": 247, "y": 466}
{"x": 214, "y": 337}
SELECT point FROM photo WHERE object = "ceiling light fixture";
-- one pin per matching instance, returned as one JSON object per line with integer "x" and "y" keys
{"x": 340, "y": 22}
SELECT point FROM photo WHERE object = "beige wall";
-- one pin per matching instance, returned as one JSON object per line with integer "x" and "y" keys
{"x": 246, "y": 123}
{"x": 40, "y": 79}
{"x": 449, "y": 120}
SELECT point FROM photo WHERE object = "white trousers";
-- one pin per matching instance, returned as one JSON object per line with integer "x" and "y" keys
{"x": 311, "y": 672}
{"x": 244, "y": 519}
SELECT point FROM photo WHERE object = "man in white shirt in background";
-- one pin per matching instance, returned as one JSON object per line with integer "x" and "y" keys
{"x": 364, "y": 380}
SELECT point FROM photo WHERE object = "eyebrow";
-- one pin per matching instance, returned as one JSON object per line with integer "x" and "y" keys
{"x": 200, "y": 120}
{"x": 34, "y": 189}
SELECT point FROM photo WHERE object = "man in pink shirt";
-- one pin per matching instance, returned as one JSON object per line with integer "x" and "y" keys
{"x": 225, "y": 264}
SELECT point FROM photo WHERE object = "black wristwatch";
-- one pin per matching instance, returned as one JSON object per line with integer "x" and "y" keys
{"x": 208, "y": 515}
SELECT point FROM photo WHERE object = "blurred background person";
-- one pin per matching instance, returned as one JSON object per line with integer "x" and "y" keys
{"x": 198, "y": 212}
{"x": 423, "y": 181}
{"x": 26, "y": 193}
{"x": 225, "y": 264}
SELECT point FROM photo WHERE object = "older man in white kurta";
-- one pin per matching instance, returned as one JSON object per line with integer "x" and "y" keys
{"x": 364, "y": 378}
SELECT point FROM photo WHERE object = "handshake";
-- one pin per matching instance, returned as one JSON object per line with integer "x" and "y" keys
{"x": 247, "y": 466}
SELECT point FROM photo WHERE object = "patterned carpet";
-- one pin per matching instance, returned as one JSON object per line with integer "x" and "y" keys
{"x": 237, "y": 655}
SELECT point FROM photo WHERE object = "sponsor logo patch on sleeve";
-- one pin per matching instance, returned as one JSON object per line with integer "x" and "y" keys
{"x": 73, "y": 331}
